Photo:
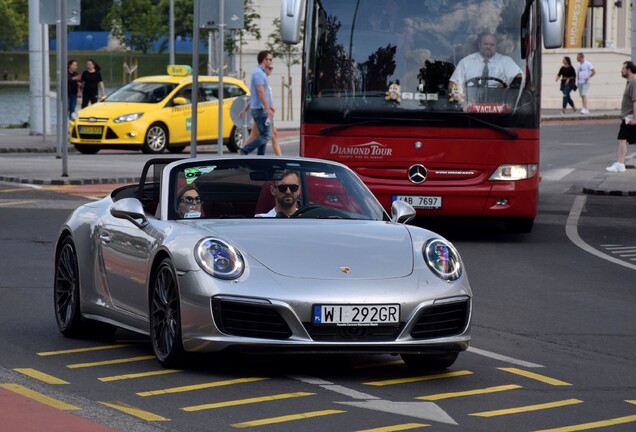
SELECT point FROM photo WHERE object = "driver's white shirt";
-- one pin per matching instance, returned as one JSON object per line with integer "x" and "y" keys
{"x": 472, "y": 66}
{"x": 271, "y": 213}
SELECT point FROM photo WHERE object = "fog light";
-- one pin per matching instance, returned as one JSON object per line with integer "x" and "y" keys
{"x": 131, "y": 134}
{"x": 502, "y": 201}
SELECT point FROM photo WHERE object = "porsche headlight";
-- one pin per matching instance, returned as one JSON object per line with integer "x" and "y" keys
{"x": 514, "y": 172}
{"x": 128, "y": 117}
{"x": 219, "y": 259}
{"x": 442, "y": 258}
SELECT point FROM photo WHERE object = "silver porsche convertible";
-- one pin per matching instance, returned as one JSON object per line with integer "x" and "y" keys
{"x": 260, "y": 253}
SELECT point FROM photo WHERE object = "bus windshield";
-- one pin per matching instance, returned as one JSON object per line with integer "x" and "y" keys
{"x": 421, "y": 60}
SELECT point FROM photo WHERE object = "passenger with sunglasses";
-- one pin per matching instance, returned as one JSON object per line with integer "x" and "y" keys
{"x": 189, "y": 203}
{"x": 286, "y": 193}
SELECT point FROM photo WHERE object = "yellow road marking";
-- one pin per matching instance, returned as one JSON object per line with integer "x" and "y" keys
{"x": 527, "y": 408}
{"x": 199, "y": 386}
{"x": 418, "y": 378}
{"x": 469, "y": 392}
{"x": 47, "y": 400}
{"x": 7, "y": 204}
{"x": 246, "y": 401}
{"x": 138, "y": 375}
{"x": 593, "y": 425}
{"x": 144, "y": 415}
{"x": 27, "y": 189}
{"x": 81, "y": 350}
{"x": 110, "y": 362}
{"x": 41, "y": 376}
{"x": 395, "y": 428}
{"x": 536, "y": 376}
{"x": 286, "y": 418}
{"x": 631, "y": 402}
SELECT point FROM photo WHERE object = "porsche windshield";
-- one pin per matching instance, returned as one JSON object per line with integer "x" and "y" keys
{"x": 373, "y": 59}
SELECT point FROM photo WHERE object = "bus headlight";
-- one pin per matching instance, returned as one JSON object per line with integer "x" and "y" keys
{"x": 514, "y": 172}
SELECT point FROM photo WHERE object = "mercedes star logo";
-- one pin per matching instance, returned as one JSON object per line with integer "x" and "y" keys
{"x": 417, "y": 174}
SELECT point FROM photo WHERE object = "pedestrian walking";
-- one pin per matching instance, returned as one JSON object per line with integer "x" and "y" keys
{"x": 567, "y": 74}
{"x": 73, "y": 79}
{"x": 261, "y": 107}
{"x": 586, "y": 71}
{"x": 91, "y": 83}
{"x": 627, "y": 131}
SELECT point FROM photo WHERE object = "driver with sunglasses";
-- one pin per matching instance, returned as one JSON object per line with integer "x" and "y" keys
{"x": 286, "y": 193}
{"x": 189, "y": 203}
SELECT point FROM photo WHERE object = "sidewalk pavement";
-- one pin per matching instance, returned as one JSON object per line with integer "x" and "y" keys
{"x": 18, "y": 163}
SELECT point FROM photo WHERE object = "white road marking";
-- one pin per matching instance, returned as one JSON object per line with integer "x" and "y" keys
{"x": 504, "y": 358}
{"x": 420, "y": 410}
{"x": 571, "y": 230}
{"x": 555, "y": 174}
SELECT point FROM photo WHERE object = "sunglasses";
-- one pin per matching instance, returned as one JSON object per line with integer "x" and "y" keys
{"x": 293, "y": 188}
{"x": 191, "y": 200}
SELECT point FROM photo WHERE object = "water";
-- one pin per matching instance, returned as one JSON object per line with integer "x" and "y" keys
{"x": 14, "y": 106}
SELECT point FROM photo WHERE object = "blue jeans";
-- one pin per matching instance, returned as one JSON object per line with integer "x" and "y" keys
{"x": 72, "y": 104}
{"x": 567, "y": 99}
{"x": 264, "y": 133}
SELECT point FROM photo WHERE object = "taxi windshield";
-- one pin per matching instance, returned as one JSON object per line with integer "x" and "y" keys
{"x": 142, "y": 92}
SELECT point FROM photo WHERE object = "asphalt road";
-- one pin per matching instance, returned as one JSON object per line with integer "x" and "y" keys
{"x": 552, "y": 349}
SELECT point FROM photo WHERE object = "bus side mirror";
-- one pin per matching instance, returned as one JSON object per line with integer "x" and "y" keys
{"x": 291, "y": 12}
{"x": 552, "y": 22}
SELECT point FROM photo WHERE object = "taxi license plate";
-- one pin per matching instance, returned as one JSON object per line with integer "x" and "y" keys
{"x": 421, "y": 201}
{"x": 90, "y": 130}
{"x": 356, "y": 315}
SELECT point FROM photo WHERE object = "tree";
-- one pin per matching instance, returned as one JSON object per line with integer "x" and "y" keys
{"x": 92, "y": 14}
{"x": 15, "y": 23}
{"x": 289, "y": 55}
{"x": 136, "y": 23}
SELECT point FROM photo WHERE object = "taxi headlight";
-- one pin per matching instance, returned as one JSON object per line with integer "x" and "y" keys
{"x": 514, "y": 172}
{"x": 128, "y": 117}
{"x": 443, "y": 259}
{"x": 219, "y": 259}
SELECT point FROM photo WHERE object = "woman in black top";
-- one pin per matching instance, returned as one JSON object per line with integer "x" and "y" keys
{"x": 568, "y": 83}
{"x": 91, "y": 80}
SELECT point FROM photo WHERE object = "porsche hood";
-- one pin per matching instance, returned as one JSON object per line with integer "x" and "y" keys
{"x": 354, "y": 250}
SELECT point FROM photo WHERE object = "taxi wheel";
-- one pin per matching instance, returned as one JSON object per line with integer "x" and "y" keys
{"x": 236, "y": 140}
{"x": 156, "y": 139}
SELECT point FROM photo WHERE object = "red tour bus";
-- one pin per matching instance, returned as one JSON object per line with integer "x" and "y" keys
{"x": 386, "y": 91}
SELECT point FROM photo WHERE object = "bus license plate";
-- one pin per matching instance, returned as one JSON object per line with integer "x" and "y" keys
{"x": 356, "y": 315}
{"x": 421, "y": 201}
{"x": 90, "y": 130}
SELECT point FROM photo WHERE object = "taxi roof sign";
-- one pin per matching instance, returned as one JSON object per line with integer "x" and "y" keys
{"x": 179, "y": 70}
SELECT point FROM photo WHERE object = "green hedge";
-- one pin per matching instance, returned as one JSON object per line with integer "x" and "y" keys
{"x": 16, "y": 64}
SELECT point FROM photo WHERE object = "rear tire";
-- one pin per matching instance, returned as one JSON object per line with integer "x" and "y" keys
{"x": 156, "y": 139}
{"x": 237, "y": 140}
{"x": 66, "y": 293}
{"x": 87, "y": 149}
{"x": 430, "y": 362}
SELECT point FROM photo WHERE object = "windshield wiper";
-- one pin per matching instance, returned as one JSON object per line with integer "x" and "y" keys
{"x": 328, "y": 130}
{"x": 501, "y": 129}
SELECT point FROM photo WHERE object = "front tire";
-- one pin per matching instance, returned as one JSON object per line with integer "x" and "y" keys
{"x": 156, "y": 139}
{"x": 165, "y": 317}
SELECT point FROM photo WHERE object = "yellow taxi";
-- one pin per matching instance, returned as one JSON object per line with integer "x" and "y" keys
{"x": 154, "y": 114}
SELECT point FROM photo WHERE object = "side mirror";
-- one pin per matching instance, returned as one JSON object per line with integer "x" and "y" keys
{"x": 291, "y": 13}
{"x": 402, "y": 212}
{"x": 553, "y": 22}
{"x": 180, "y": 101}
{"x": 130, "y": 209}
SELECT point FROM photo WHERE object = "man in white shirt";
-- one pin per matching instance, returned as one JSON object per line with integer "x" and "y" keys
{"x": 486, "y": 68}
{"x": 586, "y": 71}
{"x": 286, "y": 193}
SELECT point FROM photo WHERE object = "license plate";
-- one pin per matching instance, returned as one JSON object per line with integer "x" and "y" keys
{"x": 356, "y": 315}
{"x": 90, "y": 130}
{"x": 421, "y": 201}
